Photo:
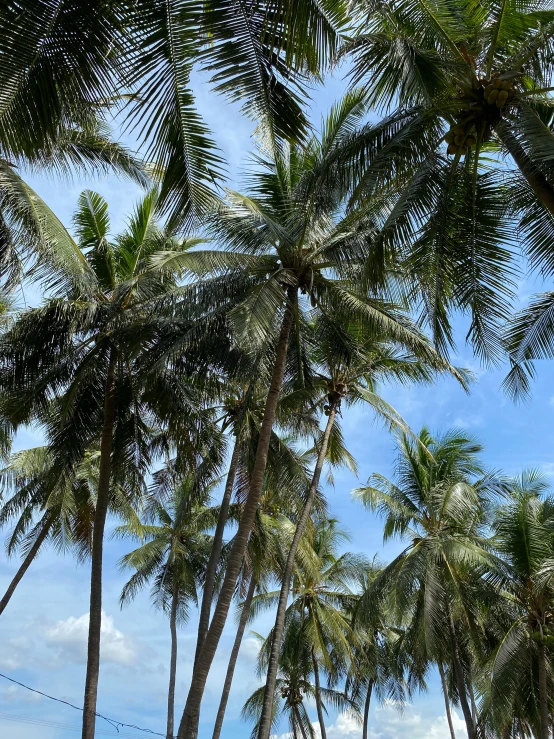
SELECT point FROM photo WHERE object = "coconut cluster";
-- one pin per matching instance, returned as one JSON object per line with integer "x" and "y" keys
{"x": 546, "y": 637}
{"x": 480, "y": 109}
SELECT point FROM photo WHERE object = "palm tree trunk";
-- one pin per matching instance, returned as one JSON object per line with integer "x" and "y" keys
{"x": 188, "y": 728}
{"x": 446, "y": 701}
{"x": 95, "y": 612}
{"x": 460, "y": 681}
{"x": 536, "y": 180}
{"x": 32, "y": 553}
{"x": 277, "y": 638}
{"x": 318, "y": 703}
{"x": 173, "y": 663}
{"x": 233, "y": 658}
{"x": 543, "y": 693}
{"x": 367, "y": 704}
{"x": 215, "y": 554}
{"x": 299, "y": 722}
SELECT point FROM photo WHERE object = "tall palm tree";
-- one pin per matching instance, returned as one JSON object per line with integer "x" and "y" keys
{"x": 520, "y": 682}
{"x": 471, "y": 82}
{"x": 438, "y": 501}
{"x": 349, "y": 371}
{"x": 172, "y": 556}
{"x": 286, "y": 239}
{"x": 83, "y": 349}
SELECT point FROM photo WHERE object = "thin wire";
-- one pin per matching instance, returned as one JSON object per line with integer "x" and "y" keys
{"x": 113, "y": 722}
{"x": 59, "y": 725}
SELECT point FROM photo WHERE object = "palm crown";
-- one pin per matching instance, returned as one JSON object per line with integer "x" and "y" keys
{"x": 469, "y": 81}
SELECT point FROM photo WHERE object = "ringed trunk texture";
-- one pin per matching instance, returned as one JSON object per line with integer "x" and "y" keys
{"x": 278, "y": 629}
{"x": 460, "y": 681}
{"x": 367, "y": 705}
{"x": 188, "y": 728}
{"x": 318, "y": 703}
{"x": 233, "y": 659}
{"x": 32, "y": 553}
{"x": 173, "y": 663}
{"x": 446, "y": 701}
{"x": 95, "y": 613}
{"x": 536, "y": 180}
{"x": 215, "y": 554}
{"x": 543, "y": 693}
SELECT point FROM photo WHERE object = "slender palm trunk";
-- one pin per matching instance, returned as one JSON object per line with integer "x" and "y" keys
{"x": 95, "y": 614}
{"x": 460, "y": 680}
{"x": 215, "y": 554}
{"x": 188, "y": 728}
{"x": 299, "y": 722}
{"x": 318, "y": 703}
{"x": 446, "y": 701}
{"x": 367, "y": 705}
{"x": 536, "y": 181}
{"x": 233, "y": 658}
{"x": 173, "y": 663}
{"x": 277, "y": 638}
{"x": 543, "y": 693}
{"x": 32, "y": 553}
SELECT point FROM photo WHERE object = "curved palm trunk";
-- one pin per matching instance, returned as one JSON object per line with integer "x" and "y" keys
{"x": 318, "y": 703}
{"x": 446, "y": 701}
{"x": 460, "y": 681}
{"x": 367, "y": 705}
{"x": 188, "y": 728}
{"x": 233, "y": 658}
{"x": 536, "y": 181}
{"x": 215, "y": 554}
{"x": 32, "y": 553}
{"x": 278, "y": 629}
{"x": 173, "y": 663}
{"x": 95, "y": 613}
{"x": 543, "y": 693}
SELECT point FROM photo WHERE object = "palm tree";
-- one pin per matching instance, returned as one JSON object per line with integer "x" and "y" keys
{"x": 241, "y": 417}
{"x": 285, "y": 239}
{"x": 469, "y": 82}
{"x": 519, "y": 674}
{"x": 350, "y": 370}
{"x": 273, "y": 528}
{"x": 84, "y": 350}
{"x": 379, "y": 663}
{"x": 175, "y": 543}
{"x": 321, "y": 591}
{"x": 437, "y": 500}
{"x": 294, "y": 687}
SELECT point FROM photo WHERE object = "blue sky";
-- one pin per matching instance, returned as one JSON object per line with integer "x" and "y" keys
{"x": 44, "y": 628}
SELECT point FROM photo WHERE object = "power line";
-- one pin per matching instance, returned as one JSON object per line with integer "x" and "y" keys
{"x": 113, "y": 722}
{"x": 58, "y": 725}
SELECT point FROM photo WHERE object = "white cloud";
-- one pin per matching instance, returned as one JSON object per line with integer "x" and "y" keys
{"x": 69, "y": 637}
{"x": 388, "y": 722}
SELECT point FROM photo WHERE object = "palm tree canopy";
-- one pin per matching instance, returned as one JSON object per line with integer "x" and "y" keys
{"x": 469, "y": 82}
